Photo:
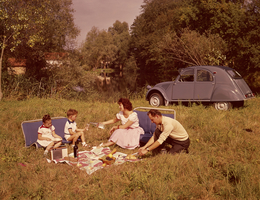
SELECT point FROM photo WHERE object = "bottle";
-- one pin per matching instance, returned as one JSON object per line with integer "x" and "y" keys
{"x": 75, "y": 151}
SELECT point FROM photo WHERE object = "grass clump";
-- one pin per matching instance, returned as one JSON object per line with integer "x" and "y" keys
{"x": 223, "y": 162}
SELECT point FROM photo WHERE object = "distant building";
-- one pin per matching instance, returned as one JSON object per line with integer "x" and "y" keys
{"x": 18, "y": 66}
{"x": 55, "y": 59}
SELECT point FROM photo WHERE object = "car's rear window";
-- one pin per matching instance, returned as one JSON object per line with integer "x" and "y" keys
{"x": 234, "y": 74}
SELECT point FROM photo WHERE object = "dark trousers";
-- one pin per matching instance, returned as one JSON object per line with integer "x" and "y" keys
{"x": 177, "y": 146}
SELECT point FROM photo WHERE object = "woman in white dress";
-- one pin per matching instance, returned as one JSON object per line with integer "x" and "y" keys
{"x": 126, "y": 135}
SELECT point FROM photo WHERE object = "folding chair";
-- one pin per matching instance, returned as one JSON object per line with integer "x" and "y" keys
{"x": 30, "y": 130}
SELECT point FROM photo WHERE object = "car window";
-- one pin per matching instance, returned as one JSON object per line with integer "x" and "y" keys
{"x": 187, "y": 76}
{"x": 234, "y": 74}
{"x": 203, "y": 75}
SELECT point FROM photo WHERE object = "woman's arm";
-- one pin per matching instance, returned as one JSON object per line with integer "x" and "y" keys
{"x": 126, "y": 125}
{"x": 111, "y": 121}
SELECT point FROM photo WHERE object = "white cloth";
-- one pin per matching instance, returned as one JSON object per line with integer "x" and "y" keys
{"x": 132, "y": 117}
{"x": 46, "y": 132}
{"x": 127, "y": 138}
{"x": 69, "y": 125}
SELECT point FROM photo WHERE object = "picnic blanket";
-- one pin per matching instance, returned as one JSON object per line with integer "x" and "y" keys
{"x": 89, "y": 160}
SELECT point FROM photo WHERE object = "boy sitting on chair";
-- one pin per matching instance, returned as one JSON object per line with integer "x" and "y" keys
{"x": 47, "y": 136}
{"x": 72, "y": 133}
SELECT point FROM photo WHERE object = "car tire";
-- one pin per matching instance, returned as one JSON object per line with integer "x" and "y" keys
{"x": 156, "y": 100}
{"x": 222, "y": 106}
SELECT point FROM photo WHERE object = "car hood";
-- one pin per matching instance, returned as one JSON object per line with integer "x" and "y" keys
{"x": 163, "y": 85}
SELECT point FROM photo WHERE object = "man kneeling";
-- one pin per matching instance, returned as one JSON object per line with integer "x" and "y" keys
{"x": 168, "y": 130}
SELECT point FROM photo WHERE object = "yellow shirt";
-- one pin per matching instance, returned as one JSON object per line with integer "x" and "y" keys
{"x": 173, "y": 129}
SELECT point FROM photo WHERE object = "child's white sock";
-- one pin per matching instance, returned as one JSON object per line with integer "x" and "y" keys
{"x": 46, "y": 152}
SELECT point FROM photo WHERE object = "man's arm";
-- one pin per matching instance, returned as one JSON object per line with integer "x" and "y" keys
{"x": 154, "y": 145}
{"x": 151, "y": 144}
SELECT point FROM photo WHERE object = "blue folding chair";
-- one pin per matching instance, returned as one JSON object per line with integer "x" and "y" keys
{"x": 30, "y": 130}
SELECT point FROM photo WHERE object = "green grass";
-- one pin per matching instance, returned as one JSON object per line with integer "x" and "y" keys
{"x": 223, "y": 162}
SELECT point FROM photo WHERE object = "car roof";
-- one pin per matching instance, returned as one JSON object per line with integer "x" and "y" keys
{"x": 212, "y": 67}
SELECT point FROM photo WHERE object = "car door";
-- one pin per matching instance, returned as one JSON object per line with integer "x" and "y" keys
{"x": 204, "y": 85}
{"x": 183, "y": 88}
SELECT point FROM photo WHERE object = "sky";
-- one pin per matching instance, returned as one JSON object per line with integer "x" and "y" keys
{"x": 103, "y": 14}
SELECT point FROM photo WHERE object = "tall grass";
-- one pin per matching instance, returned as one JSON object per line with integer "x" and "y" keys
{"x": 223, "y": 162}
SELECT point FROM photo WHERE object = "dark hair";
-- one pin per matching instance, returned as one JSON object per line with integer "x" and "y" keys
{"x": 126, "y": 103}
{"x": 154, "y": 112}
{"x": 72, "y": 112}
{"x": 45, "y": 118}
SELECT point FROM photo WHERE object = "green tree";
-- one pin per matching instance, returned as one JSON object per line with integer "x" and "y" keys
{"x": 236, "y": 22}
{"x": 194, "y": 49}
{"x": 98, "y": 48}
{"x": 34, "y": 27}
{"x": 102, "y": 47}
{"x": 158, "y": 18}
{"x": 121, "y": 38}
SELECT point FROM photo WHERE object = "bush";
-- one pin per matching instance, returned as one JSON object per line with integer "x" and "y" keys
{"x": 67, "y": 81}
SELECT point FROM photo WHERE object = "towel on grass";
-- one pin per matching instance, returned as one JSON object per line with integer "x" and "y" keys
{"x": 89, "y": 160}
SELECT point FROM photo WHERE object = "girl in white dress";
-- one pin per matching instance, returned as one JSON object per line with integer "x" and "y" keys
{"x": 126, "y": 135}
{"x": 47, "y": 136}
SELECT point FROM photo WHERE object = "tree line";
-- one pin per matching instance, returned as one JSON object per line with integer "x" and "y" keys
{"x": 172, "y": 34}
{"x": 166, "y": 36}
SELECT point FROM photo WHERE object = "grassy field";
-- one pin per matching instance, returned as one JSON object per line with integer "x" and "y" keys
{"x": 223, "y": 162}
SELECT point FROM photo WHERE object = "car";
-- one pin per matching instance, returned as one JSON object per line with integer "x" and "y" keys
{"x": 218, "y": 85}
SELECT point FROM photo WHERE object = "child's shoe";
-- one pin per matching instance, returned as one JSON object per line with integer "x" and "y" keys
{"x": 84, "y": 144}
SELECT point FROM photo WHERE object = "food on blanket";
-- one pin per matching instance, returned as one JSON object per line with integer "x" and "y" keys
{"x": 131, "y": 157}
{"x": 79, "y": 165}
{"x": 113, "y": 151}
{"x": 109, "y": 159}
{"x": 105, "y": 159}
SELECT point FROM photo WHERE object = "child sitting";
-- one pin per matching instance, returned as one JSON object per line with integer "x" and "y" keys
{"x": 47, "y": 136}
{"x": 72, "y": 133}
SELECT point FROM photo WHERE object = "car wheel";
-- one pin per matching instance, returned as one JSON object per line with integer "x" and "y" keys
{"x": 222, "y": 105}
{"x": 156, "y": 100}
